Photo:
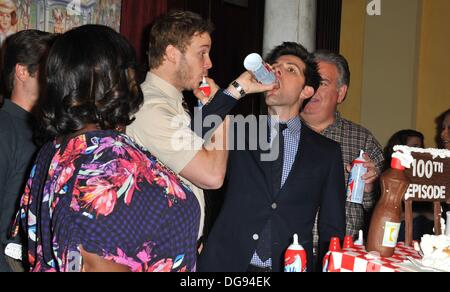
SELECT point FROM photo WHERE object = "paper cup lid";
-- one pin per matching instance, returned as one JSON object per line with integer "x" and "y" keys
{"x": 253, "y": 62}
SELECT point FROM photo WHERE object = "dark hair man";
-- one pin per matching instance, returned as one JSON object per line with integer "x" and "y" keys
{"x": 24, "y": 53}
{"x": 267, "y": 202}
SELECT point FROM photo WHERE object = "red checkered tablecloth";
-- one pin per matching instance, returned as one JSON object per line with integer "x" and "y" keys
{"x": 357, "y": 259}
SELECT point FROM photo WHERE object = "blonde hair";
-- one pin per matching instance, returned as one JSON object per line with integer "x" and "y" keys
{"x": 9, "y": 7}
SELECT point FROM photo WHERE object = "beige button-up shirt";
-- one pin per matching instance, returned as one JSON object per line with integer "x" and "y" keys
{"x": 163, "y": 127}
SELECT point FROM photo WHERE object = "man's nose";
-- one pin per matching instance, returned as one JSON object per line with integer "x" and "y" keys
{"x": 208, "y": 63}
{"x": 277, "y": 71}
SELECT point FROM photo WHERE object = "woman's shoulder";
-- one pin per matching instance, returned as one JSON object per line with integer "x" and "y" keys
{"x": 114, "y": 162}
{"x": 107, "y": 146}
{"x": 110, "y": 139}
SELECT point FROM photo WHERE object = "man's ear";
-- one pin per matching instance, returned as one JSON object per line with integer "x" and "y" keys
{"x": 172, "y": 54}
{"x": 307, "y": 92}
{"x": 342, "y": 94}
{"x": 22, "y": 72}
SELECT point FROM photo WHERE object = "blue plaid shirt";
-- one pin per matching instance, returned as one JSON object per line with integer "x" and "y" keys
{"x": 291, "y": 144}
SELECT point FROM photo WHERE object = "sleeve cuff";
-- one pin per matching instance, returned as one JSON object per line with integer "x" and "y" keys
{"x": 229, "y": 94}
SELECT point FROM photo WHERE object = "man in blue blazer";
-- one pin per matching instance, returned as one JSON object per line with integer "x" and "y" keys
{"x": 267, "y": 201}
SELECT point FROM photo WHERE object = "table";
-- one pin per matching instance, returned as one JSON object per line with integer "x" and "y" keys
{"x": 357, "y": 259}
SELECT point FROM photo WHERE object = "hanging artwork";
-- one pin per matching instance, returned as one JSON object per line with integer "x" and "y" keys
{"x": 56, "y": 16}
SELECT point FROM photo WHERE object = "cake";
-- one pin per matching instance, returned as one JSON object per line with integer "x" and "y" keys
{"x": 436, "y": 250}
{"x": 429, "y": 183}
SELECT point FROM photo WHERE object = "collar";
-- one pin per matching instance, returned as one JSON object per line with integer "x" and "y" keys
{"x": 168, "y": 89}
{"x": 337, "y": 123}
{"x": 293, "y": 125}
{"x": 15, "y": 110}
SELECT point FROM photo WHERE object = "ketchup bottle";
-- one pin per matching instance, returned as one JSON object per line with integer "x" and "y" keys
{"x": 385, "y": 224}
{"x": 205, "y": 88}
{"x": 335, "y": 246}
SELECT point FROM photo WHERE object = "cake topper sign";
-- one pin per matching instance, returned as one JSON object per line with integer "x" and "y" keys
{"x": 430, "y": 179}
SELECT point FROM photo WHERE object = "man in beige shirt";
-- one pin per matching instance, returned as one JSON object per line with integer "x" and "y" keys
{"x": 179, "y": 49}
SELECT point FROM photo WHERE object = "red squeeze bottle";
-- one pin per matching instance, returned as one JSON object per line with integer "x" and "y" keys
{"x": 348, "y": 242}
{"x": 385, "y": 224}
{"x": 295, "y": 258}
{"x": 335, "y": 245}
{"x": 205, "y": 88}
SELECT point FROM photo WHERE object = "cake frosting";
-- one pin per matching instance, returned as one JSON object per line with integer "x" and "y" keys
{"x": 436, "y": 153}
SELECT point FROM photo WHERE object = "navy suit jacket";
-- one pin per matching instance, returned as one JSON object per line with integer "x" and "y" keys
{"x": 316, "y": 181}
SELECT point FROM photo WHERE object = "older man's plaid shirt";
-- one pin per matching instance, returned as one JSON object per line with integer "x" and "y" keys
{"x": 353, "y": 138}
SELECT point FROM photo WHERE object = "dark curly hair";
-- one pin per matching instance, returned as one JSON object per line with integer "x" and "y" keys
{"x": 90, "y": 80}
{"x": 312, "y": 77}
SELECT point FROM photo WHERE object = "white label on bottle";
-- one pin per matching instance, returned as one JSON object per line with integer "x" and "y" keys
{"x": 391, "y": 231}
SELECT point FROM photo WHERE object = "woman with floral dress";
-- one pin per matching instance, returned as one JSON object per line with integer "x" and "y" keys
{"x": 95, "y": 200}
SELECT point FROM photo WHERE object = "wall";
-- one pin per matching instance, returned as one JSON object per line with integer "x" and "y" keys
{"x": 352, "y": 46}
{"x": 434, "y": 66}
{"x": 399, "y": 64}
{"x": 390, "y": 68}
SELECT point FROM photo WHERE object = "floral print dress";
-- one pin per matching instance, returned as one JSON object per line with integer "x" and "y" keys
{"x": 102, "y": 192}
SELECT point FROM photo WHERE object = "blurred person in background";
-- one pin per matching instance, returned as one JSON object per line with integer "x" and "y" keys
{"x": 423, "y": 212}
{"x": 443, "y": 122}
{"x": 23, "y": 56}
{"x": 409, "y": 138}
{"x": 444, "y": 129}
